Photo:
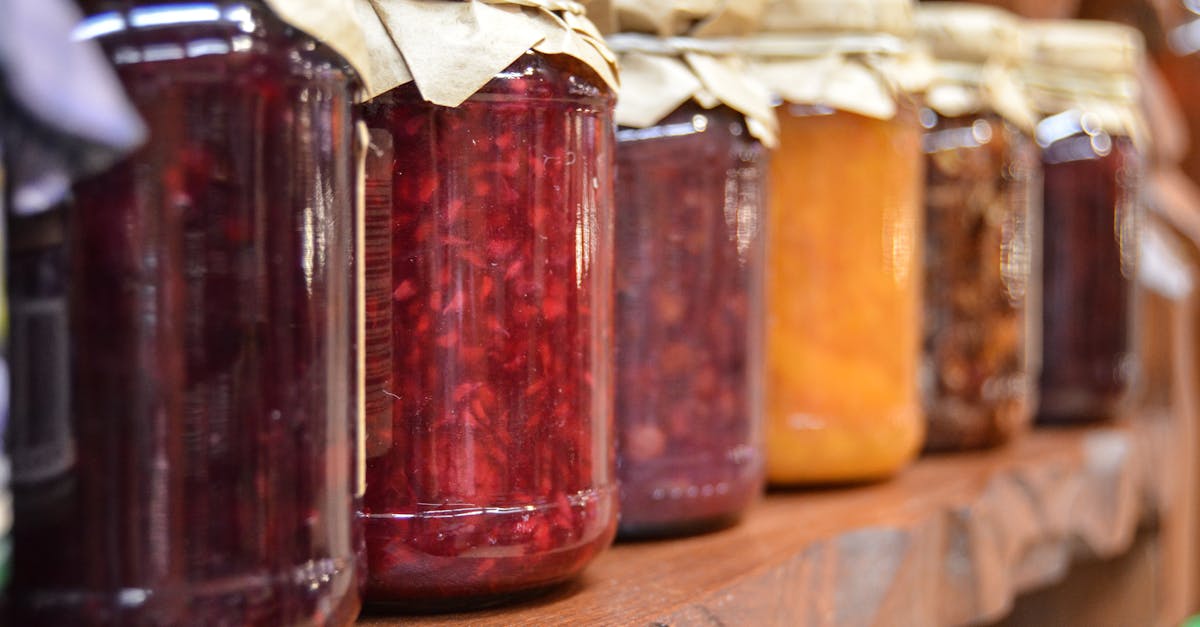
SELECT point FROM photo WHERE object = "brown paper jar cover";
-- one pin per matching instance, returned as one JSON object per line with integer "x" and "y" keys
{"x": 451, "y": 49}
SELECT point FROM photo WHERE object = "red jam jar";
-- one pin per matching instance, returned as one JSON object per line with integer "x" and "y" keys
{"x": 1092, "y": 168}
{"x": 689, "y": 321}
{"x": 490, "y": 472}
{"x": 196, "y": 316}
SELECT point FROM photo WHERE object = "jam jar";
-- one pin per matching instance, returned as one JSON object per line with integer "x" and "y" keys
{"x": 185, "y": 381}
{"x": 490, "y": 466}
{"x": 690, "y": 261}
{"x": 844, "y": 246}
{"x": 982, "y": 213}
{"x": 1081, "y": 80}
{"x": 695, "y": 129}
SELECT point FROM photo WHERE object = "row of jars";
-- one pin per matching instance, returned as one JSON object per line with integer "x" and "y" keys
{"x": 790, "y": 251}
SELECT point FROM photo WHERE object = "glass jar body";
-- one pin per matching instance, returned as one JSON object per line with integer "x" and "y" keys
{"x": 690, "y": 261}
{"x": 192, "y": 364}
{"x": 1092, "y": 217}
{"x": 843, "y": 296}
{"x": 489, "y": 471}
{"x": 982, "y": 243}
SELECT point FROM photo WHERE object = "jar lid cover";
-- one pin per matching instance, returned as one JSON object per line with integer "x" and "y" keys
{"x": 691, "y": 18}
{"x": 839, "y": 16}
{"x": 1085, "y": 68}
{"x": 658, "y": 74}
{"x": 958, "y": 31}
{"x": 452, "y": 48}
{"x": 1081, "y": 45}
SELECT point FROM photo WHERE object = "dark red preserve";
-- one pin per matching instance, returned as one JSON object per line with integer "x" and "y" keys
{"x": 490, "y": 472}
{"x": 1089, "y": 268}
{"x": 689, "y": 321}
{"x": 202, "y": 295}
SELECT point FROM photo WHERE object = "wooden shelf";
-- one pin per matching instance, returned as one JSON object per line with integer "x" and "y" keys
{"x": 985, "y": 527}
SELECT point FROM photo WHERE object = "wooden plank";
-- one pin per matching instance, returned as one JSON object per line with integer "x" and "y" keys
{"x": 950, "y": 541}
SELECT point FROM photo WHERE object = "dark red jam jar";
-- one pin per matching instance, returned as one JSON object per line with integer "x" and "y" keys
{"x": 1092, "y": 214}
{"x": 191, "y": 375}
{"x": 489, "y": 469}
{"x": 689, "y": 321}
{"x": 1081, "y": 77}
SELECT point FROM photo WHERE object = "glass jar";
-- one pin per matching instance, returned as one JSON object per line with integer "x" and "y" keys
{"x": 193, "y": 360}
{"x": 979, "y": 228}
{"x": 844, "y": 295}
{"x": 982, "y": 237}
{"x": 491, "y": 475}
{"x": 1081, "y": 79}
{"x": 844, "y": 241}
{"x": 1092, "y": 182}
{"x": 689, "y": 314}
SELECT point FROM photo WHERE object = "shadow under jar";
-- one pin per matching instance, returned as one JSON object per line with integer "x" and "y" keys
{"x": 981, "y": 297}
{"x": 1092, "y": 215}
{"x": 185, "y": 362}
{"x": 489, "y": 472}
{"x": 689, "y": 284}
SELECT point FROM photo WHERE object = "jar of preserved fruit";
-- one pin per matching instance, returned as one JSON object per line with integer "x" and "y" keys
{"x": 844, "y": 242}
{"x": 1080, "y": 77}
{"x": 982, "y": 210}
{"x": 183, "y": 360}
{"x": 490, "y": 465}
{"x": 690, "y": 255}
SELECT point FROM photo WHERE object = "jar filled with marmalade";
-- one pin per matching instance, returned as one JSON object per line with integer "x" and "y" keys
{"x": 844, "y": 241}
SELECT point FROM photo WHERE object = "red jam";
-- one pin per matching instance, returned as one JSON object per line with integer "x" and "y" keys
{"x": 1091, "y": 224}
{"x": 689, "y": 322}
{"x": 492, "y": 473}
{"x": 208, "y": 313}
